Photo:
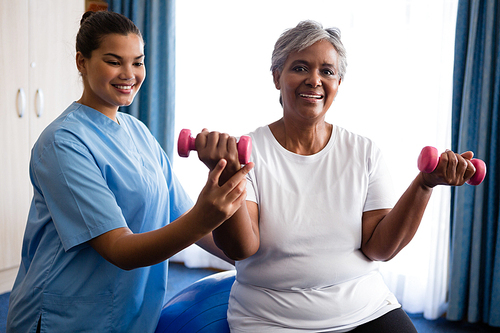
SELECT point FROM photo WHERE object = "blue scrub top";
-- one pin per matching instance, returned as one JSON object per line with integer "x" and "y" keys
{"x": 91, "y": 175}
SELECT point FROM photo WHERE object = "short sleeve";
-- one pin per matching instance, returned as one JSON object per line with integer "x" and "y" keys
{"x": 380, "y": 188}
{"x": 251, "y": 187}
{"x": 79, "y": 200}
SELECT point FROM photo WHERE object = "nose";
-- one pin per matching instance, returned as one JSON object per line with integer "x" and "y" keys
{"x": 127, "y": 73}
{"x": 313, "y": 79}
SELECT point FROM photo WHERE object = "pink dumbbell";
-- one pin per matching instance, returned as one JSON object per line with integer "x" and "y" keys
{"x": 186, "y": 143}
{"x": 429, "y": 159}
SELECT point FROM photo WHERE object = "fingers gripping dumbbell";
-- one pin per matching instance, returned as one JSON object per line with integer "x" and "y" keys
{"x": 186, "y": 143}
{"x": 429, "y": 159}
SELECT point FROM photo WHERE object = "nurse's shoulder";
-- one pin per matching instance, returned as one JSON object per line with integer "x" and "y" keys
{"x": 68, "y": 127}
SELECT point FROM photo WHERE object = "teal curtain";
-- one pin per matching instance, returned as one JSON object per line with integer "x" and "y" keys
{"x": 155, "y": 103}
{"x": 474, "y": 290}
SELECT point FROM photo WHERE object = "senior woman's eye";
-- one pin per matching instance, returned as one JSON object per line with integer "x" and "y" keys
{"x": 329, "y": 72}
{"x": 299, "y": 69}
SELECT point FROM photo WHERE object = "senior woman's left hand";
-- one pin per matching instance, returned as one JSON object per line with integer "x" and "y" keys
{"x": 453, "y": 169}
{"x": 214, "y": 146}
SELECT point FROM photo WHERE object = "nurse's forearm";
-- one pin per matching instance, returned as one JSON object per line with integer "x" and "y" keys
{"x": 214, "y": 205}
{"x": 128, "y": 251}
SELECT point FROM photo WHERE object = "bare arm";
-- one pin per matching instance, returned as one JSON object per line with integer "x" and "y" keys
{"x": 215, "y": 204}
{"x": 386, "y": 232}
{"x": 207, "y": 243}
{"x": 239, "y": 236}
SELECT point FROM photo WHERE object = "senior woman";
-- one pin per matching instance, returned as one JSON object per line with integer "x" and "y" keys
{"x": 320, "y": 210}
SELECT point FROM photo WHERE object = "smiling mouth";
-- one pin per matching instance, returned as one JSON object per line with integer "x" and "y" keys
{"x": 311, "y": 96}
{"x": 123, "y": 87}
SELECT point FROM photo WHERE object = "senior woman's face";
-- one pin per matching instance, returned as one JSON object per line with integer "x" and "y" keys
{"x": 309, "y": 81}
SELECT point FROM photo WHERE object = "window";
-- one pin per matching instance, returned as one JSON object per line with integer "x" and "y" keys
{"x": 397, "y": 91}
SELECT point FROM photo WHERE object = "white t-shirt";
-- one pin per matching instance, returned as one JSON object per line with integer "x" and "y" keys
{"x": 309, "y": 273}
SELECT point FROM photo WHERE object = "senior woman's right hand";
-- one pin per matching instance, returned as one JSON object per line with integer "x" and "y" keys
{"x": 214, "y": 146}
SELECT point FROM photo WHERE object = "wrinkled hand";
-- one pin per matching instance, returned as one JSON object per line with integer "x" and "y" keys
{"x": 218, "y": 203}
{"x": 453, "y": 170}
{"x": 214, "y": 146}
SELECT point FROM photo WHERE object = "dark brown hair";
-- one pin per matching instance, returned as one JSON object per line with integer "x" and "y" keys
{"x": 94, "y": 26}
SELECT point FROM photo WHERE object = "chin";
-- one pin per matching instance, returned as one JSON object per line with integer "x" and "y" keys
{"x": 126, "y": 103}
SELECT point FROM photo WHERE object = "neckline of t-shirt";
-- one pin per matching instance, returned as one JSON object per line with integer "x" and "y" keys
{"x": 302, "y": 158}
{"x": 111, "y": 127}
{"x": 98, "y": 117}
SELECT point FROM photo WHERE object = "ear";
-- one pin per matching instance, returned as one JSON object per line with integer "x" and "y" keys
{"x": 276, "y": 79}
{"x": 81, "y": 63}
{"x": 340, "y": 81}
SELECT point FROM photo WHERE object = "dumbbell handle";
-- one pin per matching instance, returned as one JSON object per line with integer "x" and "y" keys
{"x": 186, "y": 143}
{"x": 429, "y": 159}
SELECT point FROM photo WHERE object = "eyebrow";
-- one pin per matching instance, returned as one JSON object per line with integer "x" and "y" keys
{"x": 118, "y": 57}
{"x": 299, "y": 61}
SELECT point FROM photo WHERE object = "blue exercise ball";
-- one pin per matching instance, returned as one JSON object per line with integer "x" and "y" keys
{"x": 201, "y": 307}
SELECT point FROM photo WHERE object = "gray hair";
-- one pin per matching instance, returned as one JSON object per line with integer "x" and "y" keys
{"x": 305, "y": 34}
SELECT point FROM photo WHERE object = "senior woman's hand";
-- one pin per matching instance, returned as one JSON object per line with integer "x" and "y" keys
{"x": 453, "y": 169}
{"x": 214, "y": 146}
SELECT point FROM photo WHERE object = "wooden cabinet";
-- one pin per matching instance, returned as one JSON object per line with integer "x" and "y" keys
{"x": 38, "y": 80}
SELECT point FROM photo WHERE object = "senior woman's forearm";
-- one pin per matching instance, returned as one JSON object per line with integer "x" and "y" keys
{"x": 396, "y": 229}
{"x": 238, "y": 237}
{"x": 207, "y": 243}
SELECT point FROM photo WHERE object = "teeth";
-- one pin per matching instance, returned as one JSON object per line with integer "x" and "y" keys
{"x": 123, "y": 87}
{"x": 310, "y": 96}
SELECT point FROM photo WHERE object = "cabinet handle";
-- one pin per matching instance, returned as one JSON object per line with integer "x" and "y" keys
{"x": 21, "y": 102}
{"x": 39, "y": 102}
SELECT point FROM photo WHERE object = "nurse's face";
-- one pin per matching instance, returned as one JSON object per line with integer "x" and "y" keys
{"x": 309, "y": 82}
{"x": 114, "y": 73}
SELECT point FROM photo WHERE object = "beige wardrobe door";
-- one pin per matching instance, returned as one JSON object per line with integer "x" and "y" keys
{"x": 54, "y": 79}
{"x": 38, "y": 81}
{"x": 14, "y": 131}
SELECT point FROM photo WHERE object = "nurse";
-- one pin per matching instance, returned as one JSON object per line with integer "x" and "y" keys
{"x": 107, "y": 210}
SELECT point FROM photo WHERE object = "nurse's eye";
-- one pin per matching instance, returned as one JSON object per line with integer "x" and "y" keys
{"x": 139, "y": 64}
{"x": 114, "y": 63}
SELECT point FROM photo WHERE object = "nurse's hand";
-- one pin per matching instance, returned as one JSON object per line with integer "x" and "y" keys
{"x": 214, "y": 146}
{"x": 217, "y": 203}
